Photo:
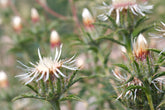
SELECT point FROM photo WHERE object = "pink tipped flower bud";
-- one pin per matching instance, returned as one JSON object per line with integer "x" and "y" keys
{"x": 4, "y": 3}
{"x": 54, "y": 39}
{"x": 17, "y": 25}
{"x": 3, "y": 80}
{"x": 140, "y": 48}
{"x": 34, "y": 15}
{"x": 87, "y": 18}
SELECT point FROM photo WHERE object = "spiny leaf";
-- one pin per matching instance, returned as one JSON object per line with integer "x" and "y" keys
{"x": 140, "y": 21}
{"x": 32, "y": 88}
{"x": 113, "y": 21}
{"x": 71, "y": 97}
{"x": 28, "y": 96}
{"x": 71, "y": 78}
{"x": 137, "y": 66}
{"x": 133, "y": 87}
{"x": 111, "y": 39}
{"x": 123, "y": 67}
{"x": 157, "y": 51}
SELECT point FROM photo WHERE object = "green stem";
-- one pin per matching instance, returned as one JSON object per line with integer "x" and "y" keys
{"x": 149, "y": 98}
{"x": 55, "y": 105}
{"x": 148, "y": 95}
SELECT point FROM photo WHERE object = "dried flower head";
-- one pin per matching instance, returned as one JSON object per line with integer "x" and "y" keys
{"x": 122, "y": 5}
{"x": 87, "y": 18}
{"x": 140, "y": 48}
{"x": 123, "y": 79}
{"x": 17, "y": 25}
{"x": 54, "y": 39}
{"x": 47, "y": 67}
{"x": 34, "y": 15}
{"x": 4, "y": 3}
{"x": 3, "y": 80}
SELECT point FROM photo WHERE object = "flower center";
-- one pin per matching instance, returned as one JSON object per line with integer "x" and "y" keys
{"x": 47, "y": 64}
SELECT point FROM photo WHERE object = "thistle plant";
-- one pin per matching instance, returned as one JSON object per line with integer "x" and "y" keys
{"x": 117, "y": 67}
{"x": 47, "y": 81}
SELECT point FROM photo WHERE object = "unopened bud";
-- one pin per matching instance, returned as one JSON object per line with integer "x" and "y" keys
{"x": 80, "y": 62}
{"x": 87, "y": 18}
{"x": 123, "y": 49}
{"x": 17, "y": 25}
{"x": 34, "y": 15}
{"x": 3, "y": 80}
{"x": 140, "y": 48}
{"x": 4, "y": 3}
{"x": 54, "y": 39}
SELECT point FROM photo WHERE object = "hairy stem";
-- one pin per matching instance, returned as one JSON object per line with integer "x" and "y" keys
{"x": 55, "y": 105}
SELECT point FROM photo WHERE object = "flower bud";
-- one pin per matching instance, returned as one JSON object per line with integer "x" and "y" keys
{"x": 80, "y": 62}
{"x": 140, "y": 48}
{"x": 123, "y": 49}
{"x": 87, "y": 18}
{"x": 54, "y": 39}
{"x": 4, "y": 3}
{"x": 34, "y": 15}
{"x": 17, "y": 25}
{"x": 3, "y": 80}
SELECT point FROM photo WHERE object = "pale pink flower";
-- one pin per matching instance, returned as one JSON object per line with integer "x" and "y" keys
{"x": 119, "y": 6}
{"x": 47, "y": 67}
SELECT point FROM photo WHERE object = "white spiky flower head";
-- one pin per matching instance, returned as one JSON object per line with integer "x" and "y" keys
{"x": 47, "y": 67}
{"x": 122, "y": 5}
{"x": 123, "y": 79}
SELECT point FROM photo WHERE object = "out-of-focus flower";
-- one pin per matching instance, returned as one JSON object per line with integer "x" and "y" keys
{"x": 17, "y": 23}
{"x": 34, "y": 15}
{"x": 87, "y": 18}
{"x": 4, "y": 3}
{"x": 54, "y": 39}
{"x": 80, "y": 62}
{"x": 3, "y": 80}
{"x": 47, "y": 67}
{"x": 123, "y": 49}
{"x": 119, "y": 6}
{"x": 140, "y": 48}
{"x": 123, "y": 79}
{"x": 161, "y": 30}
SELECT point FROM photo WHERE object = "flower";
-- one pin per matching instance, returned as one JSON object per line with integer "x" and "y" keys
{"x": 17, "y": 25}
{"x": 123, "y": 49}
{"x": 122, "y": 5}
{"x": 87, "y": 18}
{"x": 4, "y": 3}
{"x": 124, "y": 79}
{"x": 47, "y": 67}
{"x": 140, "y": 48}
{"x": 3, "y": 80}
{"x": 54, "y": 39}
{"x": 80, "y": 62}
{"x": 161, "y": 30}
{"x": 34, "y": 15}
